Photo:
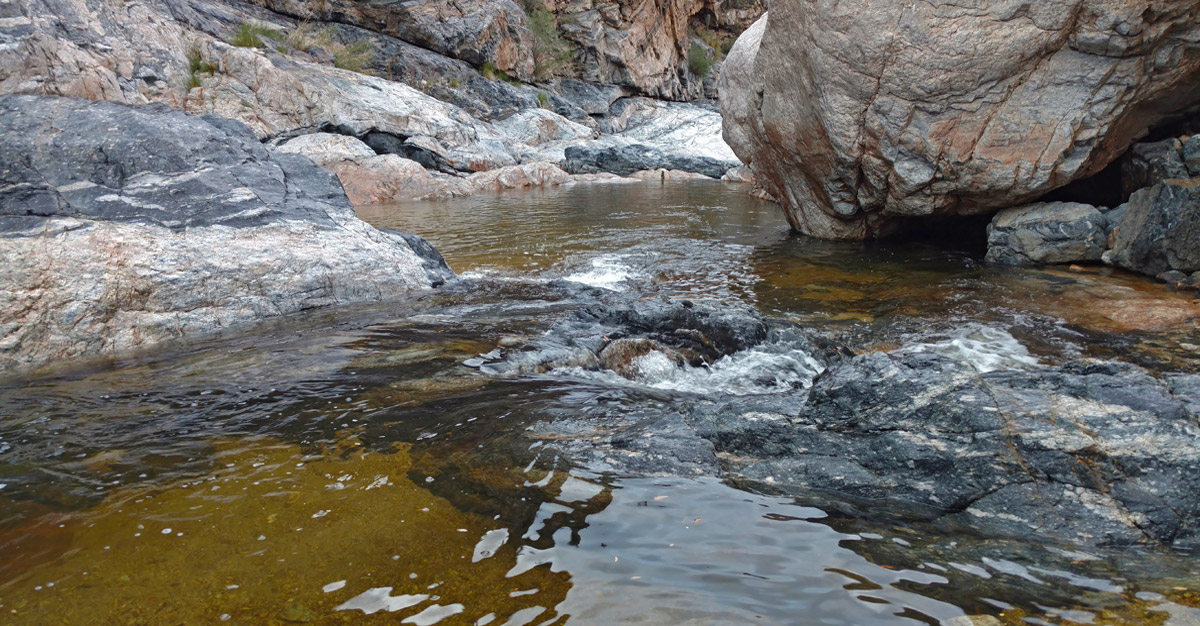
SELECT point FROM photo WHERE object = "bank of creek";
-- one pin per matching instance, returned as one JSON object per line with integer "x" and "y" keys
{"x": 454, "y": 459}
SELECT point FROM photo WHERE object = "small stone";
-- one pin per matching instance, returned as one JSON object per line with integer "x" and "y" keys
{"x": 1172, "y": 276}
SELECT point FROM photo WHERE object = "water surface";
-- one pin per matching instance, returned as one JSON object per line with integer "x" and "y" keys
{"x": 350, "y": 466}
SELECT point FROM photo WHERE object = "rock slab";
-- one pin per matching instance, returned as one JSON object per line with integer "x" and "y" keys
{"x": 125, "y": 226}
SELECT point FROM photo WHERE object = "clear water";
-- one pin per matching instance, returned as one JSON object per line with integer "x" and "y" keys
{"x": 362, "y": 465}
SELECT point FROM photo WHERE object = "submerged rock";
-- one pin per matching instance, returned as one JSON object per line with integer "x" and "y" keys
{"x": 859, "y": 115}
{"x": 1092, "y": 453}
{"x": 980, "y": 437}
{"x": 125, "y": 226}
{"x": 1054, "y": 232}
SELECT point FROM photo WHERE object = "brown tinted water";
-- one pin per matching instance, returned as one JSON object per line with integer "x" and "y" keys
{"x": 345, "y": 467}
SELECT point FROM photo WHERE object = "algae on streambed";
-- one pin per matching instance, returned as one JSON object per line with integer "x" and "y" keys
{"x": 269, "y": 537}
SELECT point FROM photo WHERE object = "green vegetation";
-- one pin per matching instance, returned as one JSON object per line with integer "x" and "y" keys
{"x": 699, "y": 62}
{"x": 543, "y": 100}
{"x": 354, "y": 57}
{"x": 552, "y": 55}
{"x": 454, "y": 83}
{"x": 198, "y": 68}
{"x": 250, "y": 35}
{"x": 710, "y": 37}
{"x": 491, "y": 72}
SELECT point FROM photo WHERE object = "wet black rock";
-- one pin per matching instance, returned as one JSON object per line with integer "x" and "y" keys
{"x": 614, "y": 335}
{"x": 1086, "y": 453}
{"x": 1159, "y": 229}
{"x": 1092, "y": 453}
{"x": 705, "y": 331}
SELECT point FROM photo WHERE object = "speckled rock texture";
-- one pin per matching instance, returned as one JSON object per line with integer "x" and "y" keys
{"x": 859, "y": 114}
{"x": 125, "y": 226}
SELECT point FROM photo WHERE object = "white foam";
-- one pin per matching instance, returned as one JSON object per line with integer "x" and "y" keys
{"x": 986, "y": 348}
{"x": 750, "y": 372}
{"x": 607, "y": 272}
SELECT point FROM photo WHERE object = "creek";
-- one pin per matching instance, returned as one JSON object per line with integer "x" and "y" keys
{"x": 371, "y": 463}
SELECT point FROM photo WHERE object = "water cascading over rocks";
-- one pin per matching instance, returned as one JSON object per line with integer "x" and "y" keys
{"x": 858, "y": 115}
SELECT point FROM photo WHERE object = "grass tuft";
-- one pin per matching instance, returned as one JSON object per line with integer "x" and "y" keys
{"x": 198, "y": 68}
{"x": 251, "y": 35}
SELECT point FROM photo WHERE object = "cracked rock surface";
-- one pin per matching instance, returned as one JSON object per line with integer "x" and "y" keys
{"x": 856, "y": 115}
{"x": 125, "y": 226}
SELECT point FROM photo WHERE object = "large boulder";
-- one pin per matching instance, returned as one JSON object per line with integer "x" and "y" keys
{"x": 858, "y": 115}
{"x": 124, "y": 226}
{"x": 1159, "y": 229}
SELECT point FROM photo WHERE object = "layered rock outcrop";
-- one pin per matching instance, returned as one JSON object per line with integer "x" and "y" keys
{"x": 289, "y": 86}
{"x": 644, "y": 44}
{"x": 125, "y": 226}
{"x": 475, "y": 31}
{"x": 859, "y": 115}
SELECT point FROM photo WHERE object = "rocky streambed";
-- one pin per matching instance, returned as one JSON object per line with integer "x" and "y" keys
{"x": 689, "y": 408}
{"x": 625, "y": 363}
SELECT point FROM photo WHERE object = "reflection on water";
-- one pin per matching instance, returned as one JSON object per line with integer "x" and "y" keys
{"x": 361, "y": 464}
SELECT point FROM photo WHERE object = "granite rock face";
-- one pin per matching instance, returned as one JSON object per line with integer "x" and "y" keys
{"x": 858, "y": 114}
{"x": 644, "y": 44}
{"x": 126, "y": 226}
{"x": 1054, "y": 232}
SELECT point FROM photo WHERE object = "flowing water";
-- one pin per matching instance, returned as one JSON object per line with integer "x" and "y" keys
{"x": 369, "y": 464}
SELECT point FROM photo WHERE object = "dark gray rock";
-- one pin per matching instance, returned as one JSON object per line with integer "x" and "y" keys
{"x": 627, "y": 159}
{"x": 1191, "y": 155}
{"x": 1159, "y": 230}
{"x": 1148, "y": 163}
{"x": 590, "y": 98}
{"x": 1054, "y": 232}
{"x": 1087, "y": 453}
{"x": 1094, "y": 453}
{"x": 124, "y": 226}
{"x": 111, "y": 162}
